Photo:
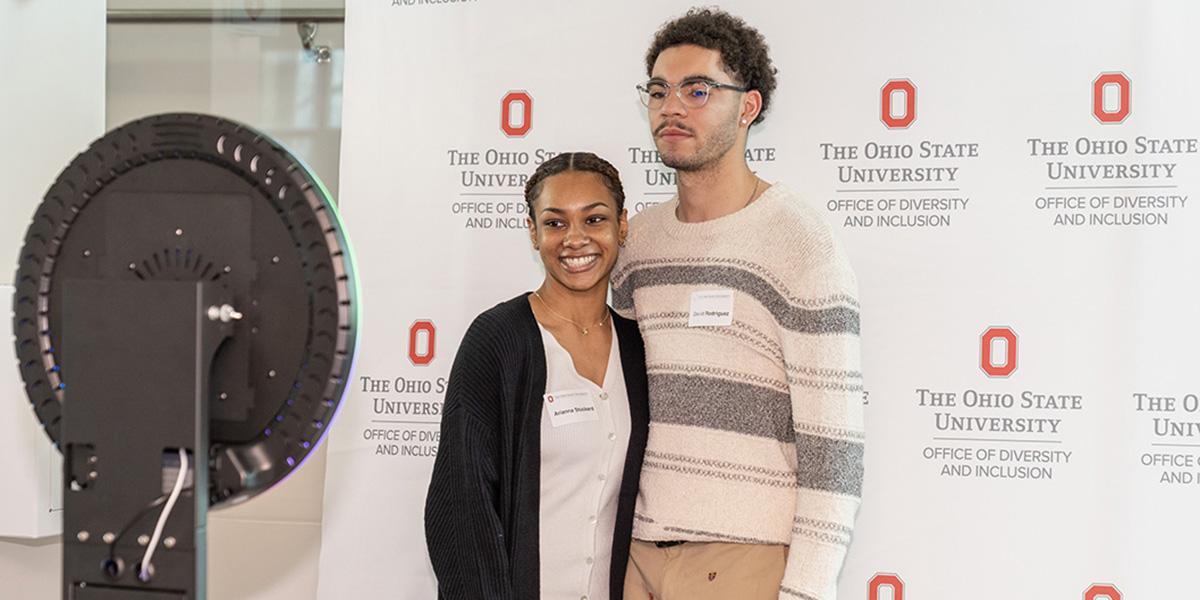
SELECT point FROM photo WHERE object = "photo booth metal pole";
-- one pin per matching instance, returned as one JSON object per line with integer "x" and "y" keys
{"x": 142, "y": 354}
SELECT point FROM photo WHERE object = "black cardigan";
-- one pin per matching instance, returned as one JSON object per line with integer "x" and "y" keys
{"x": 481, "y": 514}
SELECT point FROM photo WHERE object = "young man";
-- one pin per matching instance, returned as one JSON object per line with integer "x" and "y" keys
{"x": 753, "y": 469}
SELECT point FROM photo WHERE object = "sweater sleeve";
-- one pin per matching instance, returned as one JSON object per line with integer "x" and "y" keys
{"x": 463, "y": 530}
{"x": 623, "y": 281}
{"x": 624, "y": 274}
{"x": 822, "y": 357}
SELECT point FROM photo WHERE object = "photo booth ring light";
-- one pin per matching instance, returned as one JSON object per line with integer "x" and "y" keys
{"x": 189, "y": 197}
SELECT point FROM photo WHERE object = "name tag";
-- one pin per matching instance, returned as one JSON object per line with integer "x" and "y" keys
{"x": 711, "y": 309}
{"x": 570, "y": 406}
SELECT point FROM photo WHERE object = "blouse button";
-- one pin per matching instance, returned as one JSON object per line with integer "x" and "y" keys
{"x": 592, "y": 519}
{"x": 589, "y": 560}
{"x": 604, "y": 395}
{"x": 612, "y": 436}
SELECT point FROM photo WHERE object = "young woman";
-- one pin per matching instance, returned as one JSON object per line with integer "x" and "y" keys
{"x": 545, "y": 418}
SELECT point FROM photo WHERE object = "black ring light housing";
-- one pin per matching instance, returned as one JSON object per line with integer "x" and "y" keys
{"x": 193, "y": 198}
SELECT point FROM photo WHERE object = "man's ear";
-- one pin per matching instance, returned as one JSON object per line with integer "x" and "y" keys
{"x": 751, "y": 107}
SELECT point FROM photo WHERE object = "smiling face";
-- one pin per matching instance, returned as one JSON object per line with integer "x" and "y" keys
{"x": 690, "y": 139}
{"x": 576, "y": 228}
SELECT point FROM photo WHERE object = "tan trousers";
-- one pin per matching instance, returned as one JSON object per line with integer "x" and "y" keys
{"x": 704, "y": 571}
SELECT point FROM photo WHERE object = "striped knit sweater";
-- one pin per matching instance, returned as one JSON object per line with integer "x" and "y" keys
{"x": 756, "y": 428}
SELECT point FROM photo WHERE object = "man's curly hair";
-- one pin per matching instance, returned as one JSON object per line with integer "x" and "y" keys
{"x": 743, "y": 49}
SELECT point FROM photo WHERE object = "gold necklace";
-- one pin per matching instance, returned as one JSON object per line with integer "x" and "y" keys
{"x": 752, "y": 193}
{"x": 582, "y": 329}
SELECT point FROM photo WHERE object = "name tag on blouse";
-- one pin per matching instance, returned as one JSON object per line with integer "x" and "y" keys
{"x": 713, "y": 308}
{"x": 570, "y": 406}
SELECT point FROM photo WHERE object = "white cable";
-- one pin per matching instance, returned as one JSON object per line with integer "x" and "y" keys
{"x": 166, "y": 513}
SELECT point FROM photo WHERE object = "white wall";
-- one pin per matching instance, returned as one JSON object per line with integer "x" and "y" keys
{"x": 52, "y": 106}
{"x": 266, "y": 549}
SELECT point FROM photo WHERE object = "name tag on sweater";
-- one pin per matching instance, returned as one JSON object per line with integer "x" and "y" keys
{"x": 712, "y": 308}
{"x": 570, "y": 406}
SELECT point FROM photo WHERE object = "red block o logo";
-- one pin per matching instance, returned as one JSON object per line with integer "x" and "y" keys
{"x": 885, "y": 580}
{"x": 1105, "y": 591}
{"x": 516, "y": 123}
{"x": 415, "y": 354}
{"x": 886, "y": 104}
{"x": 987, "y": 356}
{"x": 1124, "y": 95}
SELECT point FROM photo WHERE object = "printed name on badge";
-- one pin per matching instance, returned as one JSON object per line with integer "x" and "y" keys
{"x": 713, "y": 308}
{"x": 570, "y": 406}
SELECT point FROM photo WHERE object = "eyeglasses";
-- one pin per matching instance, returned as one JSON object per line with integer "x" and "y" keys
{"x": 692, "y": 93}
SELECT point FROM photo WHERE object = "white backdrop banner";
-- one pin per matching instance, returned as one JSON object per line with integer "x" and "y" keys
{"x": 1013, "y": 182}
